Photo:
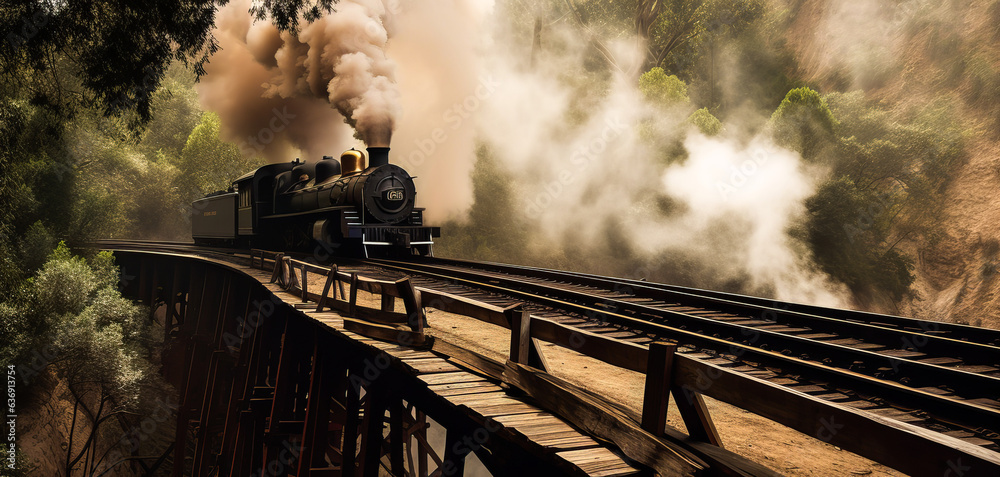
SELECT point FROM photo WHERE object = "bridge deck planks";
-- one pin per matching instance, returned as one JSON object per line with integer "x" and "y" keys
{"x": 481, "y": 397}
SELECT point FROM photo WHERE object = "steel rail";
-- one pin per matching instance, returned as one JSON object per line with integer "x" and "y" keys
{"x": 957, "y": 331}
{"x": 947, "y": 409}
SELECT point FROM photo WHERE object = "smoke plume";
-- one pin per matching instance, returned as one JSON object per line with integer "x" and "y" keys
{"x": 583, "y": 151}
{"x": 278, "y": 91}
{"x": 593, "y": 189}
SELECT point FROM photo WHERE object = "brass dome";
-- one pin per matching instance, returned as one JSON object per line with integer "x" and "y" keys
{"x": 352, "y": 162}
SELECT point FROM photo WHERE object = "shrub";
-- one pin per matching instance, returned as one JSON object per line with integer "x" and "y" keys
{"x": 803, "y": 122}
{"x": 659, "y": 88}
{"x": 708, "y": 124}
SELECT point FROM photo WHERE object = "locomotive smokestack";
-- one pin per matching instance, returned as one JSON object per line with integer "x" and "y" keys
{"x": 378, "y": 156}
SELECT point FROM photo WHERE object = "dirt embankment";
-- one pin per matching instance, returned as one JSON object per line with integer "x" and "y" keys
{"x": 46, "y": 424}
{"x": 958, "y": 278}
{"x": 935, "y": 52}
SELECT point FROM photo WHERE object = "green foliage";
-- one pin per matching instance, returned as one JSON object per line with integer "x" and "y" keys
{"x": 207, "y": 162}
{"x": 764, "y": 74}
{"x": 119, "y": 52}
{"x": 16, "y": 337}
{"x": 495, "y": 230}
{"x": 64, "y": 285}
{"x": 99, "y": 337}
{"x": 848, "y": 230}
{"x": 74, "y": 322}
{"x": 24, "y": 467}
{"x": 285, "y": 14}
{"x": 677, "y": 26}
{"x": 36, "y": 241}
{"x": 803, "y": 122}
{"x": 889, "y": 171}
{"x": 176, "y": 113}
{"x": 708, "y": 124}
{"x": 105, "y": 270}
{"x": 656, "y": 86}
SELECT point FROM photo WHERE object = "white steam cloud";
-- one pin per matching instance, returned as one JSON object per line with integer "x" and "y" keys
{"x": 757, "y": 191}
{"x": 277, "y": 92}
{"x": 582, "y": 166}
{"x": 587, "y": 175}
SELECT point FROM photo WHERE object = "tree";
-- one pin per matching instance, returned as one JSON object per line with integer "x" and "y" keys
{"x": 888, "y": 174}
{"x": 101, "y": 345}
{"x": 115, "y": 53}
{"x": 658, "y": 87}
{"x": 803, "y": 122}
{"x": 708, "y": 124}
{"x": 494, "y": 230}
{"x": 663, "y": 26}
{"x": 848, "y": 230}
{"x": 208, "y": 163}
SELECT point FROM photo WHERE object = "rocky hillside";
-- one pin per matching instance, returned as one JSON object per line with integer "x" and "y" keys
{"x": 910, "y": 54}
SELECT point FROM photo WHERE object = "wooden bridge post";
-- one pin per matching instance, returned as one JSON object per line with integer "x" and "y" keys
{"x": 349, "y": 451}
{"x": 331, "y": 277}
{"x": 237, "y": 389}
{"x": 317, "y": 418}
{"x": 454, "y": 453}
{"x": 411, "y": 301}
{"x": 354, "y": 295}
{"x": 523, "y": 348}
{"x": 277, "y": 273}
{"x": 249, "y": 347}
{"x": 213, "y": 386}
{"x": 377, "y": 401}
{"x": 520, "y": 334}
{"x": 698, "y": 421}
{"x": 144, "y": 293}
{"x": 177, "y": 305}
{"x": 421, "y": 451}
{"x": 396, "y": 434}
{"x": 656, "y": 398}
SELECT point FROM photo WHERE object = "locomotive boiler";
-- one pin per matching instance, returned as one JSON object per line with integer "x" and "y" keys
{"x": 346, "y": 206}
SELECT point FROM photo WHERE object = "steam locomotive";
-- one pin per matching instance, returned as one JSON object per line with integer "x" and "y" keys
{"x": 343, "y": 205}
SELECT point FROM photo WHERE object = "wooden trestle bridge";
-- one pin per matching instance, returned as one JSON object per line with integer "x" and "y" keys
{"x": 277, "y": 379}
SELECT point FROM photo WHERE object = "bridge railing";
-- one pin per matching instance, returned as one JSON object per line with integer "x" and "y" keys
{"x": 902, "y": 446}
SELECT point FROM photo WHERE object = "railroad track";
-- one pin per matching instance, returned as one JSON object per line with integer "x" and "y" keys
{"x": 941, "y": 376}
{"x": 944, "y": 377}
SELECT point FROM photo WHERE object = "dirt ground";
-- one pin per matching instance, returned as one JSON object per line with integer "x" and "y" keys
{"x": 780, "y": 448}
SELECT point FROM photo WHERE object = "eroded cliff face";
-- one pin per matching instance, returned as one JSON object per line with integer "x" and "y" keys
{"x": 958, "y": 276}
{"x": 46, "y": 422}
{"x": 933, "y": 52}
